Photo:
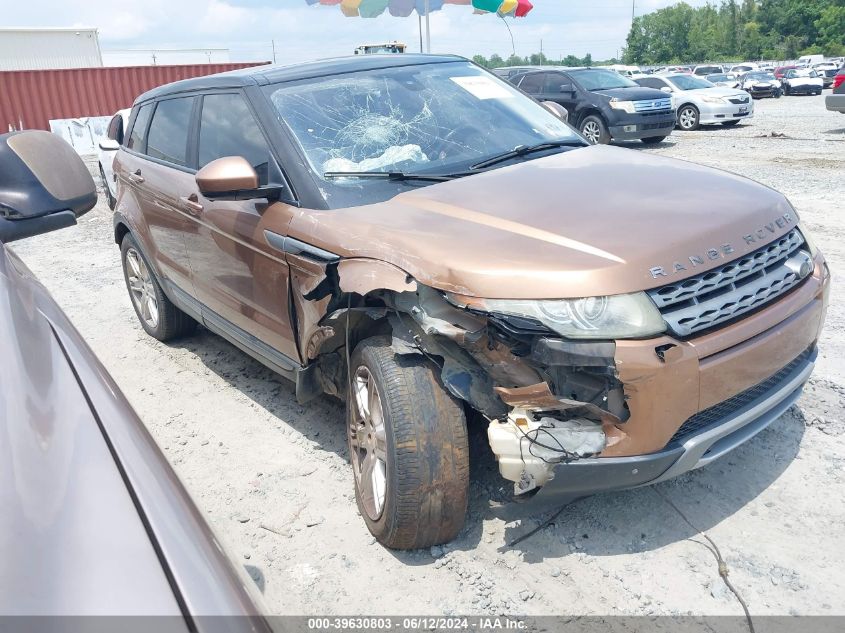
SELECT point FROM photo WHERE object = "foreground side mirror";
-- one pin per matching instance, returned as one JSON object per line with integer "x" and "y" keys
{"x": 232, "y": 178}
{"x": 44, "y": 185}
{"x": 108, "y": 145}
{"x": 558, "y": 110}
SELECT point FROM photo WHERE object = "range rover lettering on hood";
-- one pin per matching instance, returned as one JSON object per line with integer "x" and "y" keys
{"x": 759, "y": 235}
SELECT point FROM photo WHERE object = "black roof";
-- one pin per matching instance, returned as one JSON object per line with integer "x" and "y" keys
{"x": 270, "y": 74}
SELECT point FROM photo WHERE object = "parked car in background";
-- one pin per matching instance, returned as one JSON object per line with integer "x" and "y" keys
{"x": 707, "y": 69}
{"x": 603, "y": 105}
{"x": 806, "y": 61}
{"x": 107, "y": 148}
{"x": 780, "y": 71}
{"x": 827, "y": 71}
{"x": 723, "y": 80}
{"x": 506, "y": 72}
{"x": 835, "y": 101}
{"x": 761, "y": 84}
{"x": 741, "y": 69}
{"x": 94, "y": 521}
{"x": 698, "y": 102}
{"x": 802, "y": 81}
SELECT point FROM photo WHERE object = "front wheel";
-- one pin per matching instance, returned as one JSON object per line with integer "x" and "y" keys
{"x": 593, "y": 129}
{"x": 408, "y": 448}
{"x": 688, "y": 118}
{"x": 653, "y": 140}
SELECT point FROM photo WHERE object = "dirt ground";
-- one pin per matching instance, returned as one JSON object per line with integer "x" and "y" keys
{"x": 273, "y": 479}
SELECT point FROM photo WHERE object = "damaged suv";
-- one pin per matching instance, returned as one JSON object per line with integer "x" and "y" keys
{"x": 417, "y": 237}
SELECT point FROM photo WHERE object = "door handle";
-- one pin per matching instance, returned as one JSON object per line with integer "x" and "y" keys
{"x": 191, "y": 204}
{"x": 136, "y": 177}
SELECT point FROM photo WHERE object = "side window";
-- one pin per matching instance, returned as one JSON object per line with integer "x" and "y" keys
{"x": 554, "y": 81}
{"x": 533, "y": 84}
{"x": 649, "y": 82}
{"x": 139, "y": 128}
{"x": 168, "y": 137}
{"x": 228, "y": 128}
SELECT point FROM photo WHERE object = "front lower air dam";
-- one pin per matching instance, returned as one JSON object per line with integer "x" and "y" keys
{"x": 528, "y": 447}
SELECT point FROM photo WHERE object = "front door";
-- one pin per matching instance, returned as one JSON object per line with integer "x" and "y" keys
{"x": 239, "y": 278}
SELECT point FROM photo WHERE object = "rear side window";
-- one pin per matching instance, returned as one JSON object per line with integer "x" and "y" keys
{"x": 168, "y": 137}
{"x": 228, "y": 128}
{"x": 139, "y": 128}
{"x": 533, "y": 84}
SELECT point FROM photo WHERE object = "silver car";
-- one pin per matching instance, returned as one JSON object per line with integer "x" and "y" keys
{"x": 699, "y": 102}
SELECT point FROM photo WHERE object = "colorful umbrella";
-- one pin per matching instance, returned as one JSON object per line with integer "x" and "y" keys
{"x": 404, "y": 8}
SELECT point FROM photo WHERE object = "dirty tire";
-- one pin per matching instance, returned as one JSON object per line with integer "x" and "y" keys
{"x": 424, "y": 444}
{"x": 594, "y": 129}
{"x": 110, "y": 199}
{"x": 171, "y": 322}
{"x": 653, "y": 140}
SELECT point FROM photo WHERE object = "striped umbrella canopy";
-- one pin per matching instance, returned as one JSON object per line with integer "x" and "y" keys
{"x": 404, "y": 8}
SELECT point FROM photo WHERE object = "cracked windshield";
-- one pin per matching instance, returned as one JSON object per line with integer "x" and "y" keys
{"x": 435, "y": 119}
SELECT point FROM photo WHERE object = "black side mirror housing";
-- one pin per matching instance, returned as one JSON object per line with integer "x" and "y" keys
{"x": 44, "y": 185}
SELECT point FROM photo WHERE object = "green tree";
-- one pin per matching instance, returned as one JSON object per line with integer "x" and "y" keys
{"x": 481, "y": 61}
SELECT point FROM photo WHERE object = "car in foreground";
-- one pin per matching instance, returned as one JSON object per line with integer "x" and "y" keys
{"x": 424, "y": 241}
{"x": 603, "y": 105}
{"x": 761, "y": 84}
{"x": 698, "y": 102}
{"x": 94, "y": 520}
{"x": 106, "y": 149}
{"x": 835, "y": 101}
{"x": 723, "y": 80}
{"x": 802, "y": 81}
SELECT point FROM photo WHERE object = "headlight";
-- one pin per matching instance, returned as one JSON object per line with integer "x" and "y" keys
{"x": 627, "y": 106}
{"x": 616, "y": 316}
{"x": 713, "y": 99}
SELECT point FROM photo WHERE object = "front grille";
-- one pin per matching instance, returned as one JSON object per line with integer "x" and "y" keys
{"x": 738, "y": 100}
{"x": 653, "y": 105}
{"x": 736, "y": 288}
{"x": 718, "y": 413}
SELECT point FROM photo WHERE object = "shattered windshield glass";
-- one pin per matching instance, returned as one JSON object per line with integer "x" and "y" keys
{"x": 428, "y": 118}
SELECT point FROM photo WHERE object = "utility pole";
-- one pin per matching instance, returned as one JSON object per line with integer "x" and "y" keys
{"x": 419, "y": 19}
{"x": 273, "y": 42}
{"x": 633, "y": 9}
{"x": 427, "y": 29}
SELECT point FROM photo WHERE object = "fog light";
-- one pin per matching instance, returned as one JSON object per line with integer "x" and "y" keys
{"x": 630, "y": 128}
{"x": 801, "y": 264}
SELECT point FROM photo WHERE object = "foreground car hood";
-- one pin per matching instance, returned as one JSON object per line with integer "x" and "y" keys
{"x": 585, "y": 222}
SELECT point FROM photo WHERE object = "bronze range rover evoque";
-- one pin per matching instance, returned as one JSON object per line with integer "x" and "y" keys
{"x": 419, "y": 238}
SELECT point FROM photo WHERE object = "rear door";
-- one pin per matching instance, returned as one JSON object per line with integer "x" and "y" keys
{"x": 155, "y": 169}
{"x": 242, "y": 282}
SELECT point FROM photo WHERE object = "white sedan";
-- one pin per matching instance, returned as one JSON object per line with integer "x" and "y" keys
{"x": 108, "y": 147}
{"x": 699, "y": 102}
{"x": 802, "y": 81}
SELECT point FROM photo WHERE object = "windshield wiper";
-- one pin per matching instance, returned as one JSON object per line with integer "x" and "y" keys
{"x": 388, "y": 175}
{"x": 524, "y": 150}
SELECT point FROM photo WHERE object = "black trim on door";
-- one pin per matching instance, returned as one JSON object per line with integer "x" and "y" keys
{"x": 294, "y": 246}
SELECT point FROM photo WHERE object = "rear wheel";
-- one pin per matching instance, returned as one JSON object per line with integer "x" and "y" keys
{"x": 408, "y": 448}
{"x": 594, "y": 129}
{"x": 688, "y": 118}
{"x": 653, "y": 140}
{"x": 110, "y": 199}
{"x": 157, "y": 314}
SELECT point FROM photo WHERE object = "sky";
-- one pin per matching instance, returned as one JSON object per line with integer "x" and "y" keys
{"x": 301, "y": 32}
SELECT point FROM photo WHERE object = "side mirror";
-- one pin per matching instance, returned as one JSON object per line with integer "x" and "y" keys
{"x": 108, "y": 145}
{"x": 567, "y": 88}
{"x": 666, "y": 89}
{"x": 44, "y": 185}
{"x": 558, "y": 110}
{"x": 232, "y": 178}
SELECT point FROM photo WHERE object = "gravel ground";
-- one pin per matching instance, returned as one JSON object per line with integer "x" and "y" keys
{"x": 273, "y": 480}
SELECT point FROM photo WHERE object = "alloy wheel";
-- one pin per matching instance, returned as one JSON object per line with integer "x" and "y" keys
{"x": 368, "y": 443}
{"x": 591, "y": 132}
{"x": 687, "y": 118}
{"x": 141, "y": 288}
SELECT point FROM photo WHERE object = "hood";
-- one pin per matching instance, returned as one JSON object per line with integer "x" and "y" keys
{"x": 584, "y": 222}
{"x": 634, "y": 93}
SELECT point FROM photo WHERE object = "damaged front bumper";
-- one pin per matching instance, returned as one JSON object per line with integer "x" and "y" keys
{"x": 725, "y": 427}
